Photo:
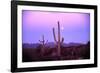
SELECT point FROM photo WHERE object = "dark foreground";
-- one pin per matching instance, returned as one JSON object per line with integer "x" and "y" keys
{"x": 49, "y": 54}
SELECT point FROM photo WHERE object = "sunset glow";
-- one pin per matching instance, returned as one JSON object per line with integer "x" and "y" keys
{"x": 75, "y": 27}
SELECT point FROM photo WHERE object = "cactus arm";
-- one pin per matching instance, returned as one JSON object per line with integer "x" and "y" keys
{"x": 43, "y": 42}
{"x": 40, "y": 41}
{"x": 62, "y": 40}
{"x": 46, "y": 41}
{"x": 54, "y": 35}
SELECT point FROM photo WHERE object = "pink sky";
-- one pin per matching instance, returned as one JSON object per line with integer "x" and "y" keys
{"x": 76, "y": 26}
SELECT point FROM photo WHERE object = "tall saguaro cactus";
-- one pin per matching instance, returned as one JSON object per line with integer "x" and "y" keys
{"x": 43, "y": 42}
{"x": 58, "y": 39}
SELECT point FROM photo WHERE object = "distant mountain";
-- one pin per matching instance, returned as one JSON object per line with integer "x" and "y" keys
{"x": 31, "y": 45}
{"x": 35, "y": 45}
{"x": 70, "y": 44}
{"x": 75, "y": 44}
{"x": 50, "y": 45}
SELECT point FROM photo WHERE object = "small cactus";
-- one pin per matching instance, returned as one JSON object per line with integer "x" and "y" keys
{"x": 43, "y": 42}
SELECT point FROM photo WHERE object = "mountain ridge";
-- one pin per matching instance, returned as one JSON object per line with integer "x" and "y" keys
{"x": 50, "y": 44}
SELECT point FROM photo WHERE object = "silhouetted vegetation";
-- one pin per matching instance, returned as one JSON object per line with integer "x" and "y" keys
{"x": 75, "y": 52}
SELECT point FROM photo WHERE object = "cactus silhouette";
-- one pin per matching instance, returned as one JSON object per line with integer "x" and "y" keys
{"x": 43, "y": 42}
{"x": 58, "y": 39}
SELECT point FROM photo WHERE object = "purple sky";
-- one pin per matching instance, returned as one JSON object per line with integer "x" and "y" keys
{"x": 75, "y": 27}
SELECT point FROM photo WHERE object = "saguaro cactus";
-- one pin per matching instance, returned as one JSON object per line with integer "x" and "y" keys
{"x": 43, "y": 42}
{"x": 59, "y": 41}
